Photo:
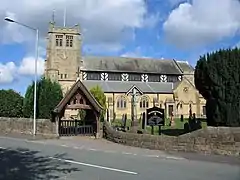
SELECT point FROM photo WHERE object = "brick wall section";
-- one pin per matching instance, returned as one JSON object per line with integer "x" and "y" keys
{"x": 25, "y": 125}
{"x": 221, "y": 141}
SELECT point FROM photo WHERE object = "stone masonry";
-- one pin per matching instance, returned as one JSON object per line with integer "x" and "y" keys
{"x": 25, "y": 126}
{"x": 220, "y": 141}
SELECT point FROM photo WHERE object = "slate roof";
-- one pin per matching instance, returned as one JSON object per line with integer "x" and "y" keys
{"x": 137, "y": 65}
{"x": 185, "y": 67}
{"x": 124, "y": 86}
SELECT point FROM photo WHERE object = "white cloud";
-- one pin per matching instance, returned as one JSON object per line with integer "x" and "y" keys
{"x": 202, "y": 22}
{"x": 105, "y": 21}
{"x": 7, "y": 72}
{"x": 136, "y": 53}
{"x": 27, "y": 66}
{"x": 10, "y": 71}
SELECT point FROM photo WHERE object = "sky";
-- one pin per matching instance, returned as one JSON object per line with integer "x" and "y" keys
{"x": 171, "y": 29}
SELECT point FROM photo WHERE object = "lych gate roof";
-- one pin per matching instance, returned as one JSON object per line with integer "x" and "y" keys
{"x": 78, "y": 85}
{"x": 124, "y": 64}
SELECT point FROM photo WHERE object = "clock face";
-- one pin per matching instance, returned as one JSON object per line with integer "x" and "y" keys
{"x": 185, "y": 89}
{"x": 62, "y": 54}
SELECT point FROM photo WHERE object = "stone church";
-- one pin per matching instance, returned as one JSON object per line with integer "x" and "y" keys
{"x": 166, "y": 83}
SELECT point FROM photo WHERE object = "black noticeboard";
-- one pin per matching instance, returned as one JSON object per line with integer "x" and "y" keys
{"x": 155, "y": 116}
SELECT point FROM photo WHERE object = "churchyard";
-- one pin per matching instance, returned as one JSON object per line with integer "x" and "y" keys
{"x": 218, "y": 134}
{"x": 171, "y": 130}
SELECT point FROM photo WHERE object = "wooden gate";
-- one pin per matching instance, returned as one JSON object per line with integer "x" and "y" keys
{"x": 73, "y": 128}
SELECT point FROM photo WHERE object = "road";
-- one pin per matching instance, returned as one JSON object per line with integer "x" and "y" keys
{"x": 88, "y": 159}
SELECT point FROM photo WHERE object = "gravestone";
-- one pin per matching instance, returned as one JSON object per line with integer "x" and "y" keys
{"x": 143, "y": 120}
{"x": 193, "y": 123}
{"x": 124, "y": 120}
{"x": 181, "y": 118}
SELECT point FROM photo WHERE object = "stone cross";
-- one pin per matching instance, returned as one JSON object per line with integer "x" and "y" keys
{"x": 134, "y": 92}
{"x": 134, "y": 102}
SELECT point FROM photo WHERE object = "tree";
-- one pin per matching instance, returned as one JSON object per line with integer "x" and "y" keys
{"x": 11, "y": 104}
{"x": 217, "y": 78}
{"x": 49, "y": 94}
{"x": 99, "y": 95}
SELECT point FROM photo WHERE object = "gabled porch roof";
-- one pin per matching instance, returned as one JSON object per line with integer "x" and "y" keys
{"x": 78, "y": 85}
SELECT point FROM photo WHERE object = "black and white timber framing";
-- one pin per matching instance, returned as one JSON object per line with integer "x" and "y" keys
{"x": 141, "y": 77}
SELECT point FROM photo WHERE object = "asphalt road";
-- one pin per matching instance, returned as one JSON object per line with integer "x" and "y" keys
{"x": 87, "y": 159}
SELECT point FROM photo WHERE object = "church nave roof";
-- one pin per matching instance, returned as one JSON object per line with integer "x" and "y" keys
{"x": 137, "y": 65}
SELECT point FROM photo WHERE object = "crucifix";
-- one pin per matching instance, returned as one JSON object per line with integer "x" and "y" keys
{"x": 134, "y": 109}
{"x": 134, "y": 92}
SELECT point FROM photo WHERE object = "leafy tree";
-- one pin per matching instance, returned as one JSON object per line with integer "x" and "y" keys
{"x": 11, "y": 104}
{"x": 99, "y": 95}
{"x": 49, "y": 94}
{"x": 217, "y": 77}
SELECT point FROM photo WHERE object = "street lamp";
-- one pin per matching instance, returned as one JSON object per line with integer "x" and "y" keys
{"x": 35, "y": 73}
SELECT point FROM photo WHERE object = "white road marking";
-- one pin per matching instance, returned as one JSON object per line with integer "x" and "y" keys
{"x": 152, "y": 156}
{"x": 95, "y": 166}
{"x": 92, "y": 149}
{"x": 126, "y": 153}
{"x": 63, "y": 145}
{"x": 175, "y": 158}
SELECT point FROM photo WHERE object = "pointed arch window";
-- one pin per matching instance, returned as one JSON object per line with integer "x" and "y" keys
{"x": 75, "y": 101}
{"x": 81, "y": 101}
{"x": 144, "y": 102}
{"x": 121, "y": 102}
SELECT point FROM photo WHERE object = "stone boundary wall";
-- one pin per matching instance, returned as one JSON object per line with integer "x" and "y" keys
{"x": 212, "y": 140}
{"x": 25, "y": 126}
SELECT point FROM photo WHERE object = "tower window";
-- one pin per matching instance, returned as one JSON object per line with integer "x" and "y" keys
{"x": 59, "y": 40}
{"x": 69, "y": 41}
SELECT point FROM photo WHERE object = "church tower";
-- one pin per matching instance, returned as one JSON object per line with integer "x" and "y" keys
{"x": 63, "y": 54}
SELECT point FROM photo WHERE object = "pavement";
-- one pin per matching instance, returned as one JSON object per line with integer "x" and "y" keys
{"x": 84, "y": 158}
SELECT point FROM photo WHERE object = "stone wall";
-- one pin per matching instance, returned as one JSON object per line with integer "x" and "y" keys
{"x": 221, "y": 141}
{"x": 25, "y": 126}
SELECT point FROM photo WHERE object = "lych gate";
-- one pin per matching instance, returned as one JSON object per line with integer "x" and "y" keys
{"x": 78, "y": 98}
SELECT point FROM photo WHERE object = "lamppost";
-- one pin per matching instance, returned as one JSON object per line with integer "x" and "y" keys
{"x": 35, "y": 73}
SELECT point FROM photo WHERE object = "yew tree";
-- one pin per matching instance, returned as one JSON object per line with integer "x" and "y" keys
{"x": 49, "y": 94}
{"x": 217, "y": 77}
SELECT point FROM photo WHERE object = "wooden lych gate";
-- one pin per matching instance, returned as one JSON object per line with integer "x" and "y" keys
{"x": 78, "y": 98}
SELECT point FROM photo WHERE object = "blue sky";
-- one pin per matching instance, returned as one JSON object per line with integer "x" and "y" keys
{"x": 172, "y": 29}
